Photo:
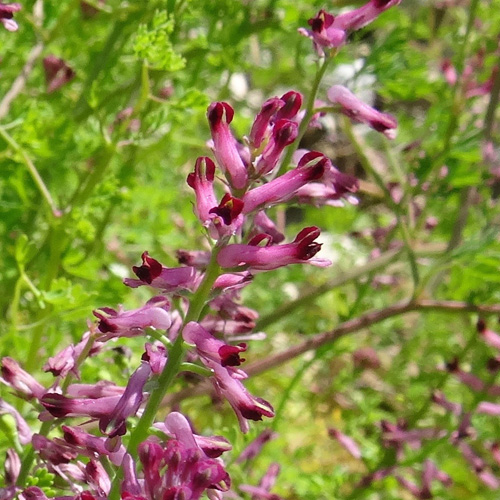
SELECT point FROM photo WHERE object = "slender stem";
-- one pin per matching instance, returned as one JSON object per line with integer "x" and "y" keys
{"x": 175, "y": 357}
{"x": 37, "y": 178}
{"x": 309, "y": 112}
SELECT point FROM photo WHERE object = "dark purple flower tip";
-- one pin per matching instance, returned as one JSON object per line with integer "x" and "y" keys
{"x": 229, "y": 208}
{"x": 261, "y": 240}
{"x": 293, "y": 102}
{"x": 380, "y": 3}
{"x": 284, "y": 133}
{"x": 204, "y": 170}
{"x": 57, "y": 72}
{"x": 211, "y": 474}
{"x": 218, "y": 112}
{"x": 149, "y": 270}
{"x": 57, "y": 404}
{"x": 453, "y": 365}
{"x": 230, "y": 354}
{"x": 481, "y": 325}
{"x": 306, "y": 246}
{"x": 6, "y": 15}
{"x": 257, "y": 410}
{"x": 317, "y": 163}
{"x": 322, "y": 21}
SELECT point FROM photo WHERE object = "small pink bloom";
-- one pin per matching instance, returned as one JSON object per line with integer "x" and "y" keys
{"x": 61, "y": 406}
{"x": 20, "y": 380}
{"x": 57, "y": 73}
{"x": 211, "y": 348}
{"x": 90, "y": 445}
{"x": 348, "y": 443}
{"x": 284, "y": 133}
{"x": 24, "y": 433}
{"x": 114, "y": 423}
{"x": 293, "y": 102}
{"x": 489, "y": 336}
{"x": 97, "y": 477}
{"x": 356, "y": 109}
{"x": 284, "y": 187}
{"x": 169, "y": 280}
{"x": 12, "y": 467}
{"x": 246, "y": 406}
{"x": 195, "y": 258}
{"x": 358, "y": 18}
{"x": 7, "y": 11}
{"x": 120, "y": 323}
{"x": 220, "y": 115}
{"x": 156, "y": 356}
{"x": 255, "y": 447}
{"x": 323, "y": 33}
{"x": 261, "y": 127}
{"x": 301, "y": 250}
{"x": 264, "y": 224}
{"x": 201, "y": 180}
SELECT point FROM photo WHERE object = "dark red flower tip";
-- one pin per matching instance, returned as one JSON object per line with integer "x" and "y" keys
{"x": 293, "y": 102}
{"x": 306, "y": 246}
{"x": 149, "y": 270}
{"x": 452, "y": 366}
{"x": 380, "y": 3}
{"x": 218, "y": 112}
{"x": 55, "y": 404}
{"x": 322, "y": 21}
{"x": 261, "y": 240}
{"x": 228, "y": 209}
{"x": 204, "y": 169}
{"x": 481, "y": 325}
{"x": 230, "y": 354}
{"x": 256, "y": 412}
{"x": 285, "y": 132}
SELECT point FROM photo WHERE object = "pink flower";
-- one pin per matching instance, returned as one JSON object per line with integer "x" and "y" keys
{"x": 220, "y": 115}
{"x": 352, "y": 107}
{"x": 23, "y": 429}
{"x": 57, "y": 73}
{"x": 323, "y": 33}
{"x": 284, "y": 133}
{"x": 20, "y": 380}
{"x": 113, "y": 324}
{"x": 201, "y": 180}
{"x": 261, "y": 127}
{"x": 169, "y": 280}
{"x": 301, "y": 250}
{"x": 210, "y": 348}
{"x": 348, "y": 443}
{"x": 7, "y": 11}
{"x": 285, "y": 186}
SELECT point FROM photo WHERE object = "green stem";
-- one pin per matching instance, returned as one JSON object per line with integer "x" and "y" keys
{"x": 175, "y": 357}
{"x": 37, "y": 178}
{"x": 309, "y": 113}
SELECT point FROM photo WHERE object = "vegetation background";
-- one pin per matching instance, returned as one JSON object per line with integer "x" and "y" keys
{"x": 93, "y": 174}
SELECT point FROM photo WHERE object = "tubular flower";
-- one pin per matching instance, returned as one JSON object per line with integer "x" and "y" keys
{"x": 261, "y": 127}
{"x": 245, "y": 405}
{"x": 20, "y": 380}
{"x": 57, "y": 73}
{"x": 356, "y": 109}
{"x": 212, "y": 349}
{"x": 284, "y": 133}
{"x": 301, "y": 250}
{"x": 285, "y": 186}
{"x": 7, "y": 11}
{"x": 114, "y": 423}
{"x": 220, "y": 115}
{"x": 201, "y": 180}
{"x": 169, "y": 280}
{"x": 329, "y": 32}
{"x": 121, "y": 323}
{"x": 323, "y": 33}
